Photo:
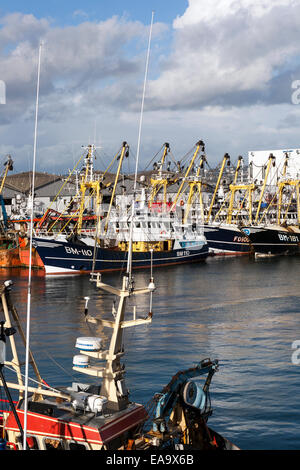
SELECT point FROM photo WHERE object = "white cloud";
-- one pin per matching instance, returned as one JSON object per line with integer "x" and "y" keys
{"x": 213, "y": 10}
{"x": 90, "y": 71}
{"x": 80, "y": 14}
{"x": 224, "y": 48}
{"x": 225, "y": 80}
{"x": 17, "y": 27}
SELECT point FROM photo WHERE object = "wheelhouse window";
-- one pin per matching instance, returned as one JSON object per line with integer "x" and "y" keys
{"x": 32, "y": 442}
{"x": 53, "y": 444}
{"x": 76, "y": 446}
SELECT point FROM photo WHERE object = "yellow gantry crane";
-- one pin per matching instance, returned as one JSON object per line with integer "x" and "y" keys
{"x": 199, "y": 145}
{"x": 226, "y": 159}
{"x": 88, "y": 183}
{"x": 238, "y": 167}
{"x": 90, "y": 189}
{"x": 234, "y": 187}
{"x": 281, "y": 186}
{"x": 161, "y": 180}
{"x": 195, "y": 184}
{"x": 8, "y": 167}
{"x": 124, "y": 153}
{"x": 271, "y": 161}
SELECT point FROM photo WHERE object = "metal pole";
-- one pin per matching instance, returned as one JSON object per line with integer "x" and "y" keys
{"x": 129, "y": 262}
{"x": 30, "y": 255}
{"x": 11, "y": 401}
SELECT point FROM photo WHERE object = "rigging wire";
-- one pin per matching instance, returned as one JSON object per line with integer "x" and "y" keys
{"x": 145, "y": 169}
{"x": 40, "y": 384}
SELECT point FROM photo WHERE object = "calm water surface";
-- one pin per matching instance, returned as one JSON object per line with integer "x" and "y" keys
{"x": 244, "y": 313}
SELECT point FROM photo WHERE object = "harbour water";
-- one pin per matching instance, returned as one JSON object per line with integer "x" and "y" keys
{"x": 243, "y": 312}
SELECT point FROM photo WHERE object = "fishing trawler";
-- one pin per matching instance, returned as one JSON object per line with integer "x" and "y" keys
{"x": 9, "y": 255}
{"x": 275, "y": 230}
{"x": 76, "y": 255}
{"x": 221, "y": 224}
{"x": 226, "y": 240}
{"x": 158, "y": 238}
{"x": 223, "y": 236}
{"x": 100, "y": 415}
{"x": 271, "y": 240}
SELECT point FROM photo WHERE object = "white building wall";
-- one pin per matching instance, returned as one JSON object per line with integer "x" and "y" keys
{"x": 259, "y": 158}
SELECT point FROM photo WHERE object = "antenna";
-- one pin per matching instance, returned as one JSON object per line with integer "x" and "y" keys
{"x": 30, "y": 253}
{"x": 129, "y": 262}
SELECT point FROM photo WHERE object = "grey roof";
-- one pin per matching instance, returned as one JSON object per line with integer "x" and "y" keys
{"x": 22, "y": 181}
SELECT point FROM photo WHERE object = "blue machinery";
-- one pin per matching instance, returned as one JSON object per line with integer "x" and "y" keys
{"x": 4, "y": 213}
{"x": 189, "y": 393}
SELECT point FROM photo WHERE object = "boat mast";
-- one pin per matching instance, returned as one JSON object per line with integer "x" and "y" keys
{"x": 15, "y": 362}
{"x": 113, "y": 384}
{"x": 30, "y": 253}
{"x": 129, "y": 262}
{"x": 10, "y": 313}
{"x": 281, "y": 187}
{"x": 88, "y": 183}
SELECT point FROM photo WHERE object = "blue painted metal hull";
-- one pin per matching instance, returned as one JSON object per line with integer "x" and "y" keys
{"x": 66, "y": 258}
{"x": 272, "y": 240}
{"x": 226, "y": 240}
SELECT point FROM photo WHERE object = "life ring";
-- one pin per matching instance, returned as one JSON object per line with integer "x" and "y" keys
{"x": 163, "y": 232}
{"x": 182, "y": 203}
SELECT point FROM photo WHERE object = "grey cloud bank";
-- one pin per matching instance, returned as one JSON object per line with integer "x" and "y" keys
{"x": 226, "y": 79}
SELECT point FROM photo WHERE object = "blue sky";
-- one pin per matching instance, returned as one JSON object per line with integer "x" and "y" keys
{"x": 63, "y": 11}
{"x": 220, "y": 71}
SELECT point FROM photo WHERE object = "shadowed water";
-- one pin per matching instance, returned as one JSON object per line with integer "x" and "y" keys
{"x": 244, "y": 313}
